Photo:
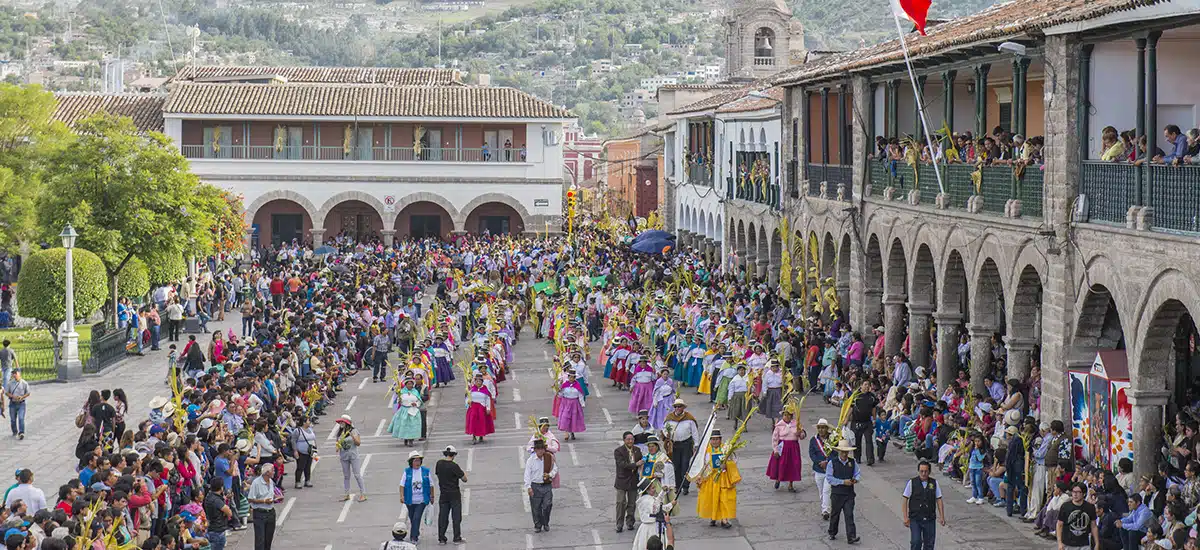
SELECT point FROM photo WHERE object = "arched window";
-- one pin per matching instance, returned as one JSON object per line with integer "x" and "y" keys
{"x": 762, "y": 136}
{"x": 764, "y": 46}
{"x": 743, "y": 138}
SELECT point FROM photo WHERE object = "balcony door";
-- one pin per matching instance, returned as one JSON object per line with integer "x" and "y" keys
{"x": 365, "y": 143}
{"x": 491, "y": 138}
{"x": 293, "y": 143}
{"x": 421, "y": 226}
{"x": 431, "y": 144}
{"x": 505, "y": 138}
{"x": 218, "y": 142}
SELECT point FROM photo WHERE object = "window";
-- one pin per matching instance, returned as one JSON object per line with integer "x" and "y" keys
{"x": 1006, "y": 112}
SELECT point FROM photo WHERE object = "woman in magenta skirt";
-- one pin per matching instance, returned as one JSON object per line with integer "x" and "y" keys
{"x": 570, "y": 410}
{"x": 785, "y": 462}
{"x": 479, "y": 417}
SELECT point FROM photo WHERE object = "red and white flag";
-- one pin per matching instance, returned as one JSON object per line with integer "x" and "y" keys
{"x": 913, "y": 10}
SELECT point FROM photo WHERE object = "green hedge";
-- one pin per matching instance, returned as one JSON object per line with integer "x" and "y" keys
{"x": 41, "y": 287}
{"x": 134, "y": 280}
{"x": 166, "y": 268}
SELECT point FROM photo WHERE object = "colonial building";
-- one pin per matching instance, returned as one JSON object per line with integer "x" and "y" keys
{"x": 581, "y": 155}
{"x": 318, "y": 152}
{"x": 631, "y": 167}
{"x": 761, "y": 39}
{"x": 1045, "y": 262}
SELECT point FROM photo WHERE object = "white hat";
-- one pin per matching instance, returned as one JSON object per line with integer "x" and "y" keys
{"x": 844, "y": 445}
{"x": 206, "y": 423}
{"x": 450, "y": 450}
{"x": 415, "y": 454}
{"x": 168, "y": 410}
{"x": 920, "y": 372}
{"x": 822, "y": 422}
{"x": 1011, "y": 430}
{"x": 242, "y": 445}
{"x": 158, "y": 402}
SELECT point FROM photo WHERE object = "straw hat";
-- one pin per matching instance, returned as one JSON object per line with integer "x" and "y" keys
{"x": 822, "y": 422}
{"x": 158, "y": 402}
{"x": 242, "y": 445}
{"x": 168, "y": 410}
{"x": 415, "y": 454}
{"x": 679, "y": 403}
{"x": 844, "y": 445}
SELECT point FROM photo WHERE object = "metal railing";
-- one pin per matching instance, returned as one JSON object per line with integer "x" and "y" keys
{"x": 106, "y": 347}
{"x": 768, "y": 194}
{"x": 1175, "y": 197}
{"x": 832, "y": 175}
{"x": 315, "y": 152}
{"x": 1110, "y": 189}
{"x": 700, "y": 174}
{"x": 998, "y": 184}
{"x": 39, "y": 362}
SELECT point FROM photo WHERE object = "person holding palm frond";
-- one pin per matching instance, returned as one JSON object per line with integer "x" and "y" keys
{"x": 739, "y": 385}
{"x": 786, "y": 463}
{"x": 770, "y": 404}
{"x": 718, "y": 481}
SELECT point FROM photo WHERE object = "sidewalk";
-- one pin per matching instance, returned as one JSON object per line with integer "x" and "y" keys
{"x": 50, "y": 432}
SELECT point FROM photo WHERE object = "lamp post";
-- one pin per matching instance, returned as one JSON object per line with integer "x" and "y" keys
{"x": 69, "y": 367}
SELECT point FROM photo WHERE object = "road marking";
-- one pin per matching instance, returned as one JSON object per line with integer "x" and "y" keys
{"x": 351, "y": 403}
{"x": 595, "y": 388}
{"x": 516, "y": 420}
{"x": 587, "y": 503}
{"x": 521, "y": 455}
{"x": 596, "y": 539}
{"x": 328, "y": 547}
{"x": 286, "y": 508}
{"x": 574, "y": 457}
{"x": 607, "y": 415}
{"x": 332, "y": 432}
{"x": 470, "y": 459}
{"x": 550, "y": 371}
{"x": 379, "y": 430}
{"x": 513, "y": 374}
{"x": 525, "y": 503}
{"x": 516, "y": 394}
{"x": 362, "y": 384}
{"x": 545, "y": 355}
{"x": 528, "y": 542}
{"x": 362, "y": 471}
{"x": 466, "y": 502}
{"x": 346, "y": 509}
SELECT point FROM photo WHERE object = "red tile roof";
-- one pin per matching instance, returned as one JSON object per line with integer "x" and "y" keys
{"x": 328, "y": 75}
{"x": 146, "y": 110}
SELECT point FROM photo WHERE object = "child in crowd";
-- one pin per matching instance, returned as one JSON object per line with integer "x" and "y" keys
{"x": 172, "y": 364}
{"x": 839, "y": 394}
{"x": 883, "y": 430}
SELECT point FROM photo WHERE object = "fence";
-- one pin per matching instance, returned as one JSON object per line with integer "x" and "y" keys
{"x": 997, "y": 185}
{"x": 40, "y": 362}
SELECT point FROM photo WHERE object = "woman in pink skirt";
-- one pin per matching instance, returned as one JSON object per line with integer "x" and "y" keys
{"x": 785, "y": 462}
{"x": 570, "y": 409}
{"x": 642, "y": 396}
{"x": 479, "y": 416}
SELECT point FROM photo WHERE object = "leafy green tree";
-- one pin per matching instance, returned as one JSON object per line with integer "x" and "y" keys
{"x": 166, "y": 267}
{"x": 128, "y": 194}
{"x": 42, "y": 286}
{"x": 135, "y": 279}
{"x": 28, "y": 135}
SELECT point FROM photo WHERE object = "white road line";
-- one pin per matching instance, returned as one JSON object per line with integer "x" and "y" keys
{"x": 516, "y": 394}
{"x": 574, "y": 457}
{"x": 328, "y": 547}
{"x": 596, "y": 540}
{"x": 362, "y": 384}
{"x": 525, "y": 502}
{"x": 513, "y": 374}
{"x": 521, "y": 455}
{"x": 528, "y": 542}
{"x": 346, "y": 509}
{"x": 362, "y": 471}
{"x": 594, "y": 388}
{"x": 550, "y": 371}
{"x": 587, "y": 503}
{"x": 351, "y": 403}
{"x": 286, "y": 508}
{"x": 379, "y": 430}
{"x": 470, "y": 459}
{"x": 516, "y": 420}
{"x": 332, "y": 432}
{"x": 545, "y": 355}
{"x": 607, "y": 416}
{"x": 466, "y": 502}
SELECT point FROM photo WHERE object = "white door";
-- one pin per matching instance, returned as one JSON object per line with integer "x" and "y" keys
{"x": 505, "y": 140}
{"x": 491, "y": 138}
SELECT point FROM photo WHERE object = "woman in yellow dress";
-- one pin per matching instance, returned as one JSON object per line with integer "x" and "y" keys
{"x": 717, "y": 501}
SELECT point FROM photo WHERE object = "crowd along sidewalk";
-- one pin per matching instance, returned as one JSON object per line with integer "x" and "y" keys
{"x": 50, "y": 433}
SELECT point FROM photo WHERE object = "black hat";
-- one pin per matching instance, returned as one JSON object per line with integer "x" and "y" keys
{"x": 643, "y": 412}
{"x": 652, "y": 439}
{"x": 539, "y": 444}
{"x": 715, "y": 433}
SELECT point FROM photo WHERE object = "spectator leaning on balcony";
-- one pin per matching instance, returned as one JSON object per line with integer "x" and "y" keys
{"x": 1142, "y": 155}
{"x": 1179, "y": 144}
{"x": 1193, "y": 148}
{"x": 1113, "y": 145}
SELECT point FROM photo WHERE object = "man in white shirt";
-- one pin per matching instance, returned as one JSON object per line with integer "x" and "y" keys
{"x": 538, "y": 478}
{"x": 34, "y": 498}
{"x": 681, "y": 429}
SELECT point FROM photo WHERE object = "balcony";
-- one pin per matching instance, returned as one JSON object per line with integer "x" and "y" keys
{"x": 831, "y": 175}
{"x": 339, "y": 153}
{"x": 998, "y": 184}
{"x": 761, "y": 61}
{"x": 746, "y": 190}
{"x": 700, "y": 174}
{"x": 1111, "y": 188}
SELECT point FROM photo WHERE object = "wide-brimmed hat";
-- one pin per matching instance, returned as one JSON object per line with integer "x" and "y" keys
{"x": 345, "y": 419}
{"x": 415, "y": 454}
{"x": 844, "y": 445}
{"x": 168, "y": 410}
{"x": 822, "y": 422}
{"x": 158, "y": 402}
{"x": 645, "y": 484}
{"x": 652, "y": 439}
{"x": 449, "y": 451}
{"x": 242, "y": 445}
{"x": 679, "y": 403}
{"x": 715, "y": 433}
{"x": 643, "y": 412}
{"x": 544, "y": 421}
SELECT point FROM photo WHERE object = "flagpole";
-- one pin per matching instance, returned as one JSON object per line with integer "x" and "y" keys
{"x": 912, "y": 79}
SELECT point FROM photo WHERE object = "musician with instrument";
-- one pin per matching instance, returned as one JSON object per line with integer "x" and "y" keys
{"x": 540, "y": 470}
{"x": 717, "y": 483}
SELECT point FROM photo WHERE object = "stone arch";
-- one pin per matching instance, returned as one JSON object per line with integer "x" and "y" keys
{"x": 425, "y": 196}
{"x": 828, "y": 265}
{"x": 742, "y": 243}
{"x": 953, "y": 298}
{"x": 764, "y": 245}
{"x": 952, "y": 308}
{"x": 776, "y": 252}
{"x": 461, "y": 221}
{"x": 1025, "y": 323}
{"x": 262, "y": 212}
{"x": 765, "y": 42}
{"x": 923, "y": 285}
{"x": 843, "y": 273}
{"x": 874, "y": 265}
{"x": 366, "y": 198}
{"x": 279, "y": 194}
{"x": 896, "y": 281}
{"x": 423, "y": 219}
{"x": 751, "y": 248}
{"x": 987, "y": 306}
{"x": 1171, "y": 299}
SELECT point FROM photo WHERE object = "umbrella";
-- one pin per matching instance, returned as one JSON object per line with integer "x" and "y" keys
{"x": 324, "y": 250}
{"x": 654, "y": 246}
{"x": 653, "y": 234}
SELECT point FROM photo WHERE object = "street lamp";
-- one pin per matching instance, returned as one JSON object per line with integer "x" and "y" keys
{"x": 69, "y": 366}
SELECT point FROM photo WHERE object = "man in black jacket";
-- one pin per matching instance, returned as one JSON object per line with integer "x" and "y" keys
{"x": 1014, "y": 472}
{"x": 862, "y": 421}
{"x": 629, "y": 460}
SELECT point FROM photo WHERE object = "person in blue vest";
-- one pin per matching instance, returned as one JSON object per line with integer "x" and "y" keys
{"x": 416, "y": 488}
{"x": 842, "y": 474}
{"x": 922, "y": 505}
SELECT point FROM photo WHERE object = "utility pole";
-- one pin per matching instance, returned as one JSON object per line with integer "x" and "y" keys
{"x": 439, "y": 56}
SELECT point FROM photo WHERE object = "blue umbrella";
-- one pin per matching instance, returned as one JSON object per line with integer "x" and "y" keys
{"x": 324, "y": 250}
{"x": 654, "y": 246}
{"x": 653, "y": 234}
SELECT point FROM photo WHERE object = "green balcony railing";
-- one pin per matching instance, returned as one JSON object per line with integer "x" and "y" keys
{"x": 997, "y": 185}
{"x": 1029, "y": 190}
{"x": 996, "y": 188}
{"x": 959, "y": 186}
{"x": 1175, "y": 196}
{"x": 1111, "y": 188}
{"x": 880, "y": 177}
{"x": 324, "y": 152}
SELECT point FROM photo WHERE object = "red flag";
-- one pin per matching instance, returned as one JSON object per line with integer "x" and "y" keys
{"x": 913, "y": 10}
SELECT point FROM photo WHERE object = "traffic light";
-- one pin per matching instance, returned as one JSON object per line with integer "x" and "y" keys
{"x": 571, "y": 200}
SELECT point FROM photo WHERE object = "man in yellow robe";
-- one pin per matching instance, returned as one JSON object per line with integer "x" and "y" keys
{"x": 717, "y": 501}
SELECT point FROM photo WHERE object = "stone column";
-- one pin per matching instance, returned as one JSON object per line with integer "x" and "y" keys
{"x": 843, "y": 293}
{"x": 1147, "y": 424}
{"x": 918, "y": 331}
{"x": 389, "y": 236}
{"x": 981, "y": 354}
{"x": 248, "y": 241}
{"x": 763, "y": 268}
{"x": 1020, "y": 352}
{"x": 872, "y": 313}
{"x": 893, "y": 324}
{"x": 947, "y": 347}
{"x": 318, "y": 236}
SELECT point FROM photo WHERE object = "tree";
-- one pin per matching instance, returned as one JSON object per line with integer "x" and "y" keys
{"x": 42, "y": 286}
{"x": 223, "y": 226}
{"x": 28, "y": 136}
{"x": 128, "y": 194}
{"x": 164, "y": 268}
{"x": 135, "y": 279}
